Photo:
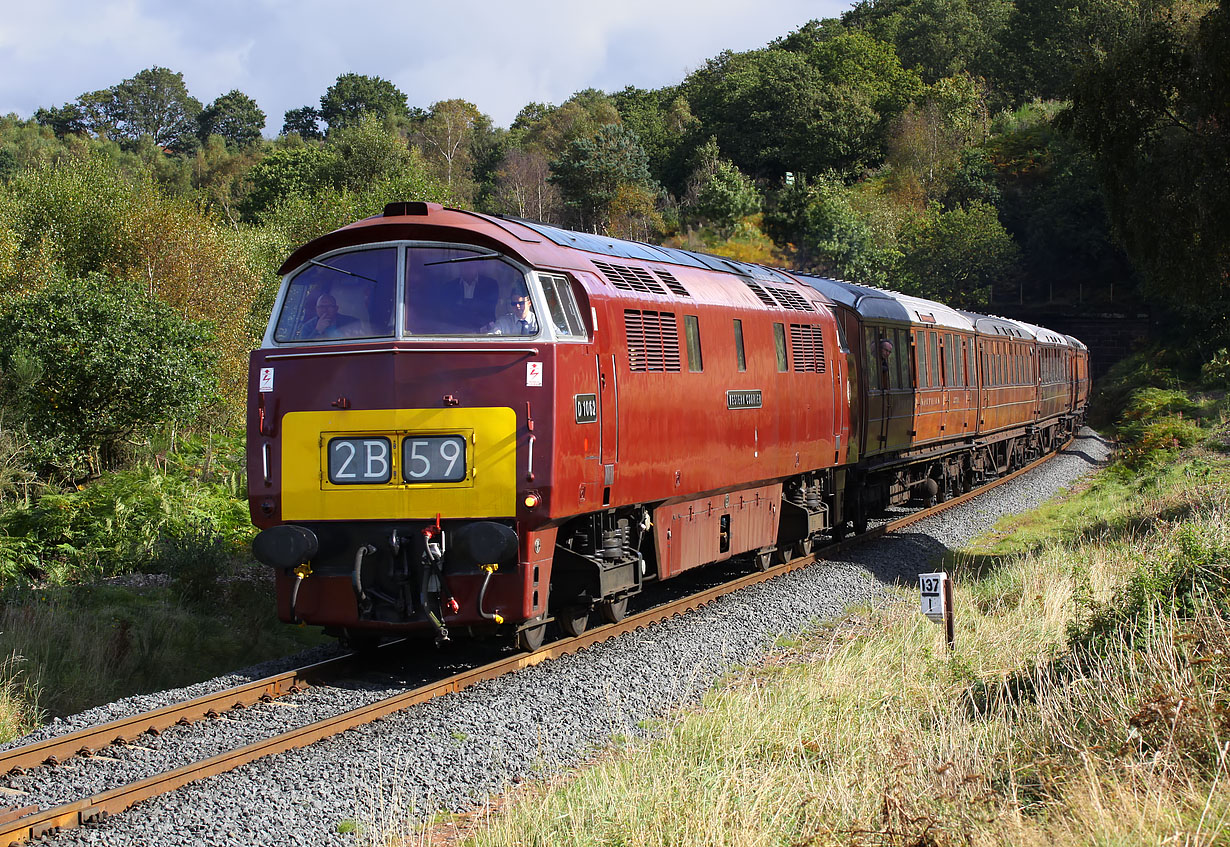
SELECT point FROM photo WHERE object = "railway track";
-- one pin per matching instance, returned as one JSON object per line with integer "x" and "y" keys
{"x": 21, "y": 824}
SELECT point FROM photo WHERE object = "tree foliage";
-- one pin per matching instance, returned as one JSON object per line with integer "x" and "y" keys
{"x": 955, "y": 256}
{"x": 825, "y": 105}
{"x": 154, "y": 102}
{"x": 352, "y": 96}
{"x": 1154, "y": 112}
{"x": 89, "y": 363}
{"x": 593, "y": 170}
{"x": 234, "y": 116}
{"x": 719, "y": 194}
{"x": 304, "y": 122}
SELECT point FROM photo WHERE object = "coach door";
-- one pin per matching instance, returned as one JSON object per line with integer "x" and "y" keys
{"x": 879, "y": 359}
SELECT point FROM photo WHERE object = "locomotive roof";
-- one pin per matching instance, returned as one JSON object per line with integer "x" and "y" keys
{"x": 878, "y": 303}
{"x": 422, "y": 220}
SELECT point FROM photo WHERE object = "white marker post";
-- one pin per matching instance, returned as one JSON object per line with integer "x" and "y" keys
{"x": 936, "y": 592}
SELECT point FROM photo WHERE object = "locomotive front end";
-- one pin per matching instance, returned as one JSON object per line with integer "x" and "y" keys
{"x": 394, "y": 466}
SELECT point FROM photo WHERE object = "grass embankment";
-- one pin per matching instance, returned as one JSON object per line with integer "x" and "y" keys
{"x": 71, "y": 639}
{"x": 1086, "y": 702}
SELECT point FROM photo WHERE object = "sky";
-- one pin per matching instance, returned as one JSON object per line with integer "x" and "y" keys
{"x": 286, "y": 53}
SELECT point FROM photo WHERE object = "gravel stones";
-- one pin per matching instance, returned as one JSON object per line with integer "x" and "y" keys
{"x": 452, "y": 751}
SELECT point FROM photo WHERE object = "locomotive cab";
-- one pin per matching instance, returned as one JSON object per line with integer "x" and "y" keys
{"x": 393, "y": 405}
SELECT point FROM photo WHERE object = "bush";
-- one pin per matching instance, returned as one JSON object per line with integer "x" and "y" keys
{"x": 89, "y": 363}
{"x": 122, "y": 523}
{"x": 198, "y": 559}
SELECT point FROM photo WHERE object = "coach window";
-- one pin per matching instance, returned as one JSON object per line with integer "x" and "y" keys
{"x": 906, "y": 378}
{"x": 925, "y": 368}
{"x": 691, "y": 328}
{"x": 740, "y": 356}
{"x": 779, "y": 338}
{"x": 932, "y": 347}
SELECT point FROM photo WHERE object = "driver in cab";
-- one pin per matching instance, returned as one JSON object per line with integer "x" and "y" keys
{"x": 329, "y": 323}
{"x": 522, "y": 321}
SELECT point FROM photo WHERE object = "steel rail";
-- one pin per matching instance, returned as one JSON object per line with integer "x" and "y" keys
{"x": 119, "y": 799}
{"x": 122, "y": 730}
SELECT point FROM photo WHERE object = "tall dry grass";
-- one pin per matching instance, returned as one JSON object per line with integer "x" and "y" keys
{"x": 1087, "y": 702}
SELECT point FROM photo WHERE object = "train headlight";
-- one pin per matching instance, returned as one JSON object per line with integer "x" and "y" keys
{"x": 531, "y": 499}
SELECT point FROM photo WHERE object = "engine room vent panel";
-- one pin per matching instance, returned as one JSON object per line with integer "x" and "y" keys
{"x": 790, "y": 299}
{"x": 673, "y": 284}
{"x": 653, "y": 341}
{"x": 631, "y": 279}
{"x": 782, "y": 298}
{"x": 761, "y": 294}
{"x": 807, "y": 348}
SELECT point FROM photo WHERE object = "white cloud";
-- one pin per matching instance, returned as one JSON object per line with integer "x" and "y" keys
{"x": 285, "y": 54}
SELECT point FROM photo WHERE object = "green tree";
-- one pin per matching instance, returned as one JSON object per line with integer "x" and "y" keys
{"x": 89, "y": 363}
{"x": 829, "y": 234}
{"x": 719, "y": 194}
{"x": 1154, "y": 111}
{"x": 666, "y": 127}
{"x": 926, "y": 145}
{"x": 304, "y": 122}
{"x": 826, "y": 107}
{"x": 155, "y": 102}
{"x": 592, "y": 171}
{"x": 71, "y": 215}
{"x": 354, "y": 95}
{"x": 234, "y": 116}
{"x": 448, "y": 136}
{"x": 955, "y": 256}
{"x": 294, "y": 170}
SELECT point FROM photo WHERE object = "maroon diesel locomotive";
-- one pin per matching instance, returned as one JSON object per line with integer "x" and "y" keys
{"x": 462, "y": 422}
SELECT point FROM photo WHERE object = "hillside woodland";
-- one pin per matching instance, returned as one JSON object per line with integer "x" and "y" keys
{"x": 981, "y": 152}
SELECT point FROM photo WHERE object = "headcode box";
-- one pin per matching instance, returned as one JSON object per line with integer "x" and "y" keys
{"x": 934, "y": 598}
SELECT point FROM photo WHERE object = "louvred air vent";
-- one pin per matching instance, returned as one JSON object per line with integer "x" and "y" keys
{"x": 807, "y": 348}
{"x": 673, "y": 284}
{"x": 653, "y": 341}
{"x": 776, "y": 298}
{"x": 630, "y": 278}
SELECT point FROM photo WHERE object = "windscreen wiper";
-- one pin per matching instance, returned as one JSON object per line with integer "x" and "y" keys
{"x": 341, "y": 271}
{"x": 472, "y": 258}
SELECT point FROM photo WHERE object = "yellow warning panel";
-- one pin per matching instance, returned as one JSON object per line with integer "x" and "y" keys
{"x": 399, "y": 464}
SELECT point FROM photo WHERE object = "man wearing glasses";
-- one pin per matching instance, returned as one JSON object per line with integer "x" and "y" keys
{"x": 522, "y": 320}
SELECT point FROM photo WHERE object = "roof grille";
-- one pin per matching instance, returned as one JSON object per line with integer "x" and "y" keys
{"x": 790, "y": 299}
{"x": 807, "y": 348}
{"x": 775, "y": 297}
{"x": 673, "y": 284}
{"x": 653, "y": 341}
{"x": 763, "y": 295}
{"x": 631, "y": 278}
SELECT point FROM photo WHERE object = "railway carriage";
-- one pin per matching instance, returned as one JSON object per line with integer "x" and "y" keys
{"x": 420, "y": 460}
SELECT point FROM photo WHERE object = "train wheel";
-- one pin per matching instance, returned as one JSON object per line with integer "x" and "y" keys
{"x": 530, "y": 638}
{"x": 361, "y": 641}
{"x": 573, "y": 620}
{"x": 764, "y": 560}
{"x": 613, "y": 611}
